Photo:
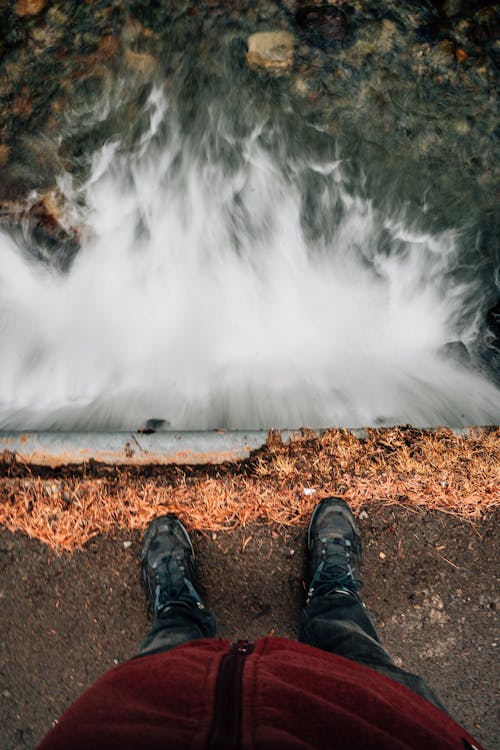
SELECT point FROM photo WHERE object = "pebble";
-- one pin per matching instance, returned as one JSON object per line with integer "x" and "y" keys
{"x": 126, "y": 545}
{"x": 363, "y": 515}
{"x": 56, "y": 16}
{"x": 300, "y": 87}
{"x": 46, "y": 37}
{"x": 29, "y": 7}
{"x": 52, "y": 488}
{"x": 272, "y": 50}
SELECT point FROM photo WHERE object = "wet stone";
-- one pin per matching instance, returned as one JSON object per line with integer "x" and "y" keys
{"x": 456, "y": 351}
{"x": 4, "y": 154}
{"x": 485, "y": 26}
{"x": 493, "y": 319}
{"x": 56, "y": 16}
{"x": 387, "y": 35}
{"x": 13, "y": 71}
{"x": 5, "y": 87}
{"x": 301, "y": 87}
{"x": 449, "y": 8}
{"x": 132, "y": 30}
{"x": 443, "y": 55}
{"x": 21, "y": 107}
{"x": 141, "y": 63}
{"x": 45, "y": 37}
{"x": 29, "y": 7}
{"x": 108, "y": 47}
{"x": 272, "y": 50}
{"x": 322, "y": 24}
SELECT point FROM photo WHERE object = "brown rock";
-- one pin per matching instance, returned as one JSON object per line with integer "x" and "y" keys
{"x": 47, "y": 210}
{"x": 45, "y": 37}
{"x": 4, "y": 154}
{"x": 141, "y": 63}
{"x": 48, "y": 215}
{"x": 108, "y": 47}
{"x": 29, "y": 7}
{"x": 272, "y": 50}
{"x": 132, "y": 30}
{"x": 10, "y": 212}
{"x": 14, "y": 71}
{"x": 5, "y": 86}
{"x": 59, "y": 105}
{"x": 21, "y": 107}
{"x": 443, "y": 54}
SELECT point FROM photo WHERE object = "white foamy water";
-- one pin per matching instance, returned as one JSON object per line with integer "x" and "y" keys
{"x": 199, "y": 297}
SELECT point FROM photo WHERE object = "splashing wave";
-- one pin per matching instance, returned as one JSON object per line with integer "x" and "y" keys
{"x": 220, "y": 286}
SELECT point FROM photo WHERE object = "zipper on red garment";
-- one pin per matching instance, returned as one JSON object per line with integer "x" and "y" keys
{"x": 226, "y": 726}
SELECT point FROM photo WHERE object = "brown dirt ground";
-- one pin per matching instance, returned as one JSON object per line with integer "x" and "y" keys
{"x": 429, "y": 580}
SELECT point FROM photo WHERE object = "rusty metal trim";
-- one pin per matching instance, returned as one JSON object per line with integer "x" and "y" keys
{"x": 129, "y": 448}
{"x": 57, "y": 449}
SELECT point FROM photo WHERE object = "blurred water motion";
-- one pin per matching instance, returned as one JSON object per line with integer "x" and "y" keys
{"x": 214, "y": 243}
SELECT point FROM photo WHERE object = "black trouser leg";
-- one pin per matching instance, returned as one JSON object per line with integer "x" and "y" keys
{"x": 339, "y": 622}
{"x": 178, "y": 623}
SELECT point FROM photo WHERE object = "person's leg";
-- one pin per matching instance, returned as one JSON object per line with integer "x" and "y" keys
{"x": 335, "y": 618}
{"x": 170, "y": 580}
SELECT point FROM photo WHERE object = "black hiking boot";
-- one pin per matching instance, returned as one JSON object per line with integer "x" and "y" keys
{"x": 334, "y": 545}
{"x": 168, "y": 565}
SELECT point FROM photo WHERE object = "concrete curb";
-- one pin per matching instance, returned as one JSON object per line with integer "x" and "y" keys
{"x": 144, "y": 448}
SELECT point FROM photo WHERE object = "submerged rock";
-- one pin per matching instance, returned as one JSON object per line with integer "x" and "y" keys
{"x": 48, "y": 212}
{"x": 132, "y": 30}
{"x": 452, "y": 8}
{"x": 457, "y": 352}
{"x": 4, "y": 154}
{"x": 449, "y": 8}
{"x": 443, "y": 54}
{"x": 272, "y": 50}
{"x": 108, "y": 48}
{"x": 322, "y": 24}
{"x": 52, "y": 236}
{"x": 493, "y": 319}
{"x": 141, "y": 63}
{"x": 29, "y": 7}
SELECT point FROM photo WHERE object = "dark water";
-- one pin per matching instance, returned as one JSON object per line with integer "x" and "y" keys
{"x": 245, "y": 248}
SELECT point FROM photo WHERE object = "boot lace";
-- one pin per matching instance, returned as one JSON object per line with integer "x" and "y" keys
{"x": 335, "y": 572}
